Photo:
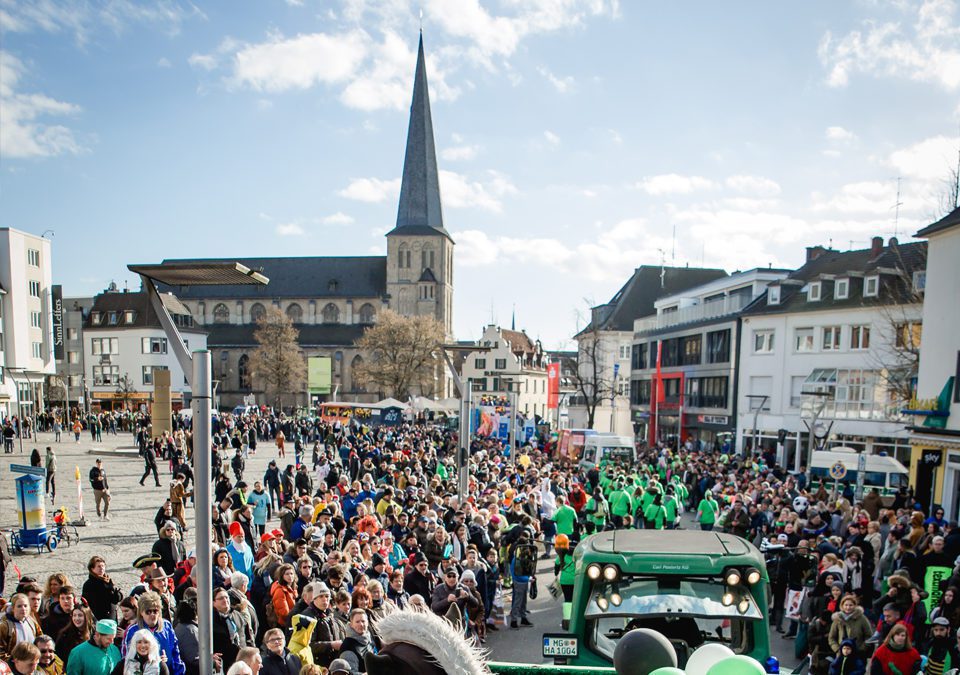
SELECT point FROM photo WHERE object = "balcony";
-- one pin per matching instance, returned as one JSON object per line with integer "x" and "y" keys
{"x": 702, "y": 312}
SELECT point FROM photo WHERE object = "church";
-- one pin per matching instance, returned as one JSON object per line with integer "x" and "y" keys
{"x": 332, "y": 300}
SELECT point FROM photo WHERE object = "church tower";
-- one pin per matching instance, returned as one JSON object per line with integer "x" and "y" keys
{"x": 419, "y": 249}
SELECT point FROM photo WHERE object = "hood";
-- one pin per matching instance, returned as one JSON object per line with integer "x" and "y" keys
{"x": 854, "y": 615}
{"x": 849, "y": 643}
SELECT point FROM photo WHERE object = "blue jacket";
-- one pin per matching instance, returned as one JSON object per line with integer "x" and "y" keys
{"x": 259, "y": 502}
{"x": 242, "y": 560}
{"x": 169, "y": 645}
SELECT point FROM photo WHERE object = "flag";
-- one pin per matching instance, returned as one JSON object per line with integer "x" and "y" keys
{"x": 659, "y": 379}
{"x": 553, "y": 386}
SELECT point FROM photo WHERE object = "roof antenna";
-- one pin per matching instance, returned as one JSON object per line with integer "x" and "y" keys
{"x": 663, "y": 271}
{"x": 421, "y": 20}
{"x": 673, "y": 247}
{"x": 896, "y": 213}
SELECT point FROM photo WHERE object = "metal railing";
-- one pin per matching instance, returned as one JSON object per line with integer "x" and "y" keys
{"x": 709, "y": 310}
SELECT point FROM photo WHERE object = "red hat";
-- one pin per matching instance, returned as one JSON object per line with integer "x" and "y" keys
{"x": 277, "y": 534}
{"x": 265, "y": 537}
{"x": 235, "y": 529}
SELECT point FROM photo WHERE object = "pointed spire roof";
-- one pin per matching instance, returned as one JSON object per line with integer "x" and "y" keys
{"x": 420, "y": 211}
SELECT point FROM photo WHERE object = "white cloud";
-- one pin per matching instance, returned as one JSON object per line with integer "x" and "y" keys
{"x": 22, "y": 134}
{"x": 926, "y": 51}
{"x": 459, "y": 192}
{"x": 672, "y": 183}
{"x": 371, "y": 189}
{"x": 615, "y": 136}
{"x": 459, "y": 153}
{"x": 551, "y": 137}
{"x": 930, "y": 159}
{"x": 290, "y": 230}
{"x": 338, "y": 218}
{"x": 561, "y": 84}
{"x": 866, "y": 197}
{"x": 202, "y": 61}
{"x": 840, "y": 134}
{"x": 756, "y": 185}
{"x": 164, "y": 62}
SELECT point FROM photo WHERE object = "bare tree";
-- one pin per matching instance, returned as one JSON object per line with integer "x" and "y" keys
{"x": 278, "y": 366}
{"x": 125, "y": 388}
{"x": 591, "y": 383}
{"x": 402, "y": 354}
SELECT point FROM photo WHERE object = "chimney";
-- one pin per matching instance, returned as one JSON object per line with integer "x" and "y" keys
{"x": 814, "y": 252}
{"x": 876, "y": 246}
{"x": 893, "y": 242}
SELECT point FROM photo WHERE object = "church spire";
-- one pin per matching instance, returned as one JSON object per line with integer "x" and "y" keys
{"x": 420, "y": 186}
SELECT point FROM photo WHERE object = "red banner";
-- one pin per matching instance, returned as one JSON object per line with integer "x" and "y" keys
{"x": 553, "y": 386}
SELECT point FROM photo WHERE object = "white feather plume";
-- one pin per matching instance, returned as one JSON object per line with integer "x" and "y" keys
{"x": 448, "y": 647}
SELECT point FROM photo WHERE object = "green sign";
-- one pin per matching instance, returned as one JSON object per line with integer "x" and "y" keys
{"x": 319, "y": 370}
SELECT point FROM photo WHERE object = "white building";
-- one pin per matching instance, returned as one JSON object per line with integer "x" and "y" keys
{"x": 604, "y": 345}
{"x": 935, "y": 461}
{"x": 26, "y": 324}
{"x": 833, "y": 346}
{"x": 514, "y": 363}
{"x": 124, "y": 344}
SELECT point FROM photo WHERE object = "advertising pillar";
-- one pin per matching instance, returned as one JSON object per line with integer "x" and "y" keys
{"x": 31, "y": 511}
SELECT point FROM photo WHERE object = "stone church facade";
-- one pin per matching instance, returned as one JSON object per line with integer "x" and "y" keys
{"x": 332, "y": 300}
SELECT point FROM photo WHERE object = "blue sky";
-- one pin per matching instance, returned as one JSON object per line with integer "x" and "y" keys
{"x": 574, "y": 136}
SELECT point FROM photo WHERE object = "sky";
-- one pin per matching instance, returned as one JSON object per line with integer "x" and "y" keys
{"x": 577, "y": 139}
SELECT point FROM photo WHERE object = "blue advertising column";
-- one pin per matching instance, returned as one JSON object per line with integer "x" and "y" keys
{"x": 31, "y": 511}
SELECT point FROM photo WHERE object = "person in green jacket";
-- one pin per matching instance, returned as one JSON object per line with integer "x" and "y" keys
{"x": 565, "y": 568}
{"x": 596, "y": 511}
{"x": 621, "y": 505}
{"x": 98, "y": 655}
{"x": 655, "y": 516}
{"x": 707, "y": 511}
{"x": 565, "y": 517}
{"x": 672, "y": 506}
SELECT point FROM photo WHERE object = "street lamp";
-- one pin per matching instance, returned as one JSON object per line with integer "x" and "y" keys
{"x": 16, "y": 384}
{"x": 201, "y": 385}
{"x": 463, "y": 453}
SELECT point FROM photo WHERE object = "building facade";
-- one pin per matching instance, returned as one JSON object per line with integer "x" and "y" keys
{"x": 26, "y": 322}
{"x": 935, "y": 433}
{"x": 604, "y": 345}
{"x": 512, "y": 362}
{"x": 697, "y": 332}
{"x": 826, "y": 353}
{"x": 71, "y": 381}
{"x": 332, "y": 300}
{"x": 124, "y": 345}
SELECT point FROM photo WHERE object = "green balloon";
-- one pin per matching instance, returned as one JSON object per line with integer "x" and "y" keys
{"x": 736, "y": 665}
{"x": 667, "y": 670}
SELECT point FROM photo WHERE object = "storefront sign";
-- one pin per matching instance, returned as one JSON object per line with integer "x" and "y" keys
{"x": 721, "y": 420}
{"x": 56, "y": 295}
{"x": 931, "y": 458}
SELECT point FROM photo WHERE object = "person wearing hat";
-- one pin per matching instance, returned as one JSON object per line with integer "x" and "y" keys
{"x": 848, "y": 660}
{"x": 149, "y": 608}
{"x": 328, "y": 634}
{"x": 940, "y": 650}
{"x": 169, "y": 547}
{"x": 339, "y": 667}
{"x": 419, "y": 581}
{"x": 98, "y": 655}
{"x": 239, "y": 550}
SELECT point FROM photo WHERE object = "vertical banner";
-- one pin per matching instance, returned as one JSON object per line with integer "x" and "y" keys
{"x": 931, "y": 584}
{"x": 553, "y": 386}
{"x": 56, "y": 309}
{"x": 319, "y": 371}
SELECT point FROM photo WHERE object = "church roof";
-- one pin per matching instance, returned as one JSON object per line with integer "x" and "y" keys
{"x": 300, "y": 277}
{"x": 222, "y": 336}
{"x": 420, "y": 211}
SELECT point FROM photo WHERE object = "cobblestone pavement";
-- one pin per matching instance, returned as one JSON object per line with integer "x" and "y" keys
{"x": 129, "y": 533}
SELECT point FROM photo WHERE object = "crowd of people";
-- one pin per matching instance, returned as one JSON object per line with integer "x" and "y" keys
{"x": 360, "y": 522}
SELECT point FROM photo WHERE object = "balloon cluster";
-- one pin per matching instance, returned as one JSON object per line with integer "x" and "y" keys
{"x": 646, "y": 652}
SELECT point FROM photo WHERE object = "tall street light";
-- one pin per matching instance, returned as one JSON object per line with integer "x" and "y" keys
{"x": 201, "y": 386}
{"x": 463, "y": 453}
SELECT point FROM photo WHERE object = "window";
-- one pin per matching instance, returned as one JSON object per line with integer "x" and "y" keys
{"x": 640, "y": 392}
{"x": 718, "y": 346}
{"x": 803, "y": 340}
{"x": 919, "y": 281}
{"x": 624, "y": 352}
{"x": 831, "y": 338}
{"x": 113, "y": 318}
{"x": 147, "y": 373}
{"x": 763, "y": 341}
{"x": 691, "y": 348}
{"x": 38, "y": 350}
{"x": 713, "y": 392}
{"x": 73, "y": 380}
{"x": 73, "y": 357}
{"x": 908, "y": 335}
{"x": 33, "y": 257}
{"x": 639, "y": 357}
{"x": 95, "y": 318}
{"x": 257, "y": 312}
{"x": 221, "y": 313}
{"x": 670, "y": 354}
{"x": 72, "y": 333}
{"x": 243, "y": 373}
{"x": 129, "y": 317}
{"x": 295, "y": 313}
{"x": 367, "y": 313}
{"x": 426, "y": 258}
{"x": 841, "y": 289}
{"x": 500, "y": 364}
{"x": 796, "y": 390}
{"x": 36, "y": 319}
{"x": 859, "y": 337}
{"x": 813, "y": 291}
{"x": 871, "y": 286}
{"x": 331, "y": 314}
{"x": 760, "y": 386}
{"x": 35, "y": 289}
{"x": 333, "y": 286}
{"x": 773, "y": 295}
{"x": 154, "y": 345}
{"x": 100, "y": 346}
{"x": 481, "y": 364}
{"x": 106, "y": 375}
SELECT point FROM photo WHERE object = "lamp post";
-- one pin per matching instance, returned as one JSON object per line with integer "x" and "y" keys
{"x": 16, "y": 385}
{"x": 463, "y": 451}
{"x": 201, "y": 385}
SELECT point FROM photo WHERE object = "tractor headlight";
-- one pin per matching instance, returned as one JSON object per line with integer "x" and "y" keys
{"x": 593, "y": 571}
{"x": 611, "y": 573}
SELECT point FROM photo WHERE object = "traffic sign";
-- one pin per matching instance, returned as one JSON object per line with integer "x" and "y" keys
{"x": 838, "y": 471}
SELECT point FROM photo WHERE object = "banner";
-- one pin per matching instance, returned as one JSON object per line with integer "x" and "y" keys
{"x": 794, "y": 599}
{"x": 319, "y": 369}
{"x": 56, "y": 295}
{"x": 553, "y": 386}
{"x": 931, "y": 584}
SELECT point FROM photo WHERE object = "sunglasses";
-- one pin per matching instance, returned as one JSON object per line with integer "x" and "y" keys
{"x": 151, "y": 611}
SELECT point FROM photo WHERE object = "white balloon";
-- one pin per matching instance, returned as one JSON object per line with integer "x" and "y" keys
{"x": 705, "y": 657}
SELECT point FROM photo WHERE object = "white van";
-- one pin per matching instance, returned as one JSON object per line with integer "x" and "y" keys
{"x": 882, "y": 471}
{"x": 599, "y": 447}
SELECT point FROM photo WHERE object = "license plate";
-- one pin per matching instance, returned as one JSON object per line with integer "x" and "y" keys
{"x": 559, "y": 645}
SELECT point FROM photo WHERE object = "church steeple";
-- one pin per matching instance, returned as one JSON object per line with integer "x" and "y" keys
{"x": 420, "y": 211}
